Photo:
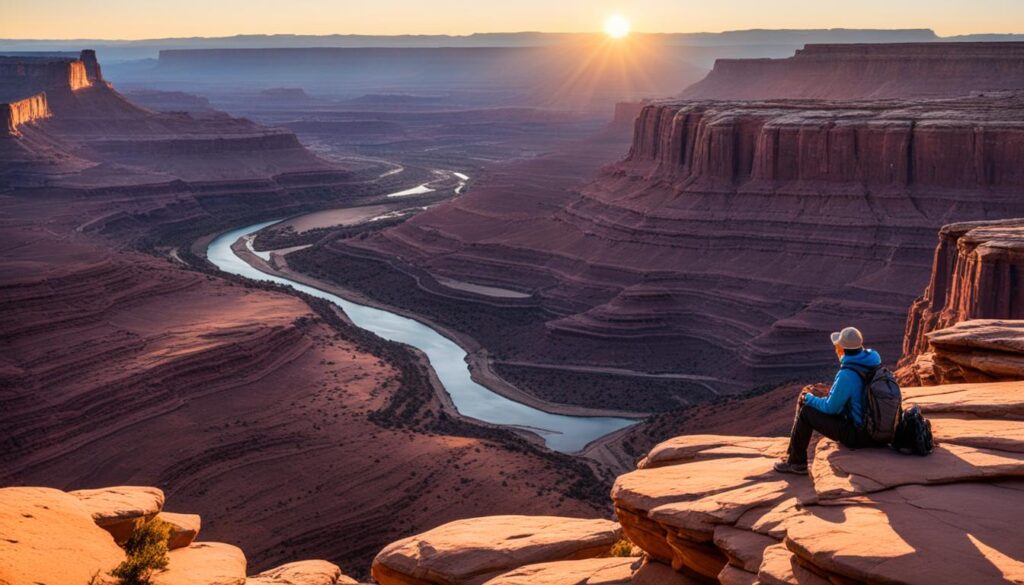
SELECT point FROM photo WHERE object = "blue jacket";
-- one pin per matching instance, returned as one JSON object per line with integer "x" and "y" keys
{"x": 847, "y": 393}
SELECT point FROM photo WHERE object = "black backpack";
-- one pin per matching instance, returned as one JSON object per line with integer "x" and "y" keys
{"x": 914, "y": 433}
{"x": 883, "y": 403}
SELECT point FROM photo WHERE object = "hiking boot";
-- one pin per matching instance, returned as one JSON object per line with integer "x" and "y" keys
{"x": 794, "y": 468}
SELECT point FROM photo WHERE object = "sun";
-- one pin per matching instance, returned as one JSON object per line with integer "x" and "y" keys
{"x": 617, "y": 26}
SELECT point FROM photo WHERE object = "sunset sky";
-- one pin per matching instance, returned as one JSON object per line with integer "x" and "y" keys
{"x": 135, "y": 19}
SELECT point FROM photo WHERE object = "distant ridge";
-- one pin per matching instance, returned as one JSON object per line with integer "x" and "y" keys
{"x": 148, "y": 48}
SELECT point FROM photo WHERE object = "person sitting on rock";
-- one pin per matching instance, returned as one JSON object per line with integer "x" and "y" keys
{"x": 839, "y": 415}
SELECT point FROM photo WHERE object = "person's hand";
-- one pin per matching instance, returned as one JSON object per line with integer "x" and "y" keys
{"x": 803, "y": 399}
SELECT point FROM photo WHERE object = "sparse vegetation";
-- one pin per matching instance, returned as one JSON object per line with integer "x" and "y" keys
{"x": 623, "y": 548}
{"x": 146, "y": 551}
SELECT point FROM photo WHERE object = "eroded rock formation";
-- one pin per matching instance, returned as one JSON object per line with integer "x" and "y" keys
{"x": 868, "y": 71}
{"x": 474, "y": 550}
{"x": 949, "y": 334}
{"x": 709, "y": 508}
{"x": 737, "y": 234}
{"x": 718, "y": 509}
{"x": 18, "y": 112}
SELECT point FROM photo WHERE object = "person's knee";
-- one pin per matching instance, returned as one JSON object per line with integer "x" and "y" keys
{"x": 804, "y": 412}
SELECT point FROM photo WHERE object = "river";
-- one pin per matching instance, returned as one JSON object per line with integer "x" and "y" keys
{"x": 564, "y": 433}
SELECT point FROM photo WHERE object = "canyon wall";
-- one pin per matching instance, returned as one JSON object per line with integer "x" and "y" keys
{"x": 28, "y": 75}
{"x": 868, "y": 71}
{"x": 971, "y": 307}
{"x": 23, "y": 111}
{"x": 735, "y": 235}
{"x": 882, "y": 147}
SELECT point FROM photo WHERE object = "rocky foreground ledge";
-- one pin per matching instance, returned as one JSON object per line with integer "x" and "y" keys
{"x": 709, "y": 509}
{"x": 712, "y": 507}
{"x": 51, "y": 537}
{"x": 699, "y": 509}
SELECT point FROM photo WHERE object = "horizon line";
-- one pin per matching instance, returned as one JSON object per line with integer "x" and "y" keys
{"x": 495, "y": 33}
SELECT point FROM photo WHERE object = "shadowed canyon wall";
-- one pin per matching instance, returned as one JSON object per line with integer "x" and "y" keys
{"x": 736, "y": 235}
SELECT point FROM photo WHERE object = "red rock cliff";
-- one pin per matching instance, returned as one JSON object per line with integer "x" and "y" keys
{"x": 975, "y": 276}
{"x": 868, "y": 71}
{"x": 736, "y": 235}
{"x": 21, "y": 76}
{"x": 23, "y": 111}
{"x": 887, "y": 146}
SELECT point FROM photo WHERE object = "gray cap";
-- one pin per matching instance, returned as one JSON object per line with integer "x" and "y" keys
{"x": 849, "y": 338}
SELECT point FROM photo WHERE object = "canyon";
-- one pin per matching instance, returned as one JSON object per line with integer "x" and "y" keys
{"x": 727, "y": 244}
{"x": 127, "y": 359}
{"x": 696, "y": 508}
{"x": 680, "y": 262}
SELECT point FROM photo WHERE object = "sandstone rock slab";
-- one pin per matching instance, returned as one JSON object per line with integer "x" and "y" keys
{"x": 694, "y": 447}
{"x": 473, "y": 550}
{"x": 302, "y": 573}
{"x": 781, "y": 567}
{"x": 184, "y": 528}
{"x": 700, "y": 517}
{"x": 731, "y": 575}
{"x": 744, "y": 548}
{"x": 673, "y": 512}
{"x": 998, "y": 434}
{"x": 204, "y": 563}
{"x": 49, "y": 537}
{"x": 838, "y": 471}
{"x": 941, "y": 535}
{"x": 993, "y": 400}
{"x": 117, "y": 508}
{"x": 646, "y": 489}
{"x": 605, "y": 571}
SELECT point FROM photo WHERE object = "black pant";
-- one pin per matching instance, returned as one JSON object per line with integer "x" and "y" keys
{"x": 834, "y": 426}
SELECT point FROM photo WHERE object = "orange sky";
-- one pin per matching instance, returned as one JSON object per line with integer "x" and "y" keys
{"x": 135, "y": 19}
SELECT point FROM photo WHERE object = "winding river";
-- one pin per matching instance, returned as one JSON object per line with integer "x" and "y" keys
{"x": 564, "y": 433}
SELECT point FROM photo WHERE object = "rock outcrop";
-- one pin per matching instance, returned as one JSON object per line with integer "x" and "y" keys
{"x": 467, "y": 552}
{"x": 118, "y": 509}
{"x": 870, "y": 515}
{"x": 974, "y": 278}
{"x": 302, "y": 573}
{"x": 868, "y": 71}
{"x": 977, "y": 350}
{"x": 48, "y": 536}
{"x": 184, "y": 528}
{"x": 51, "y": 537}
{"x": 19, "y": 112}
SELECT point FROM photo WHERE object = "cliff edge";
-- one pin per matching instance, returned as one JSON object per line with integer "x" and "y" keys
{"x": 967, "y": 326}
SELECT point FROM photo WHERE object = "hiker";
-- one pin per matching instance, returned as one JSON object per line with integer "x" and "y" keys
{"x": 840, "y": 415}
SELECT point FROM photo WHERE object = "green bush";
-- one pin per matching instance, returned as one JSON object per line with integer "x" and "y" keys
{"x": 146, "y": 551}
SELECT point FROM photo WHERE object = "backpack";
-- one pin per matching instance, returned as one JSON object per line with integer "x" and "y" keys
{"x": 883, "y": 403}
{"x": 914, "y": 433}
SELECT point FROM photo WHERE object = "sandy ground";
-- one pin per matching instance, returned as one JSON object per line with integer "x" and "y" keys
{"x": 487, "y": 291}
{"x": 335, "y": 217}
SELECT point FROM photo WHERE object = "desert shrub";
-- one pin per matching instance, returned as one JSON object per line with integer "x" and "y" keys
{"x": 146, "y": 553}
{"x": 623, "y": 548}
